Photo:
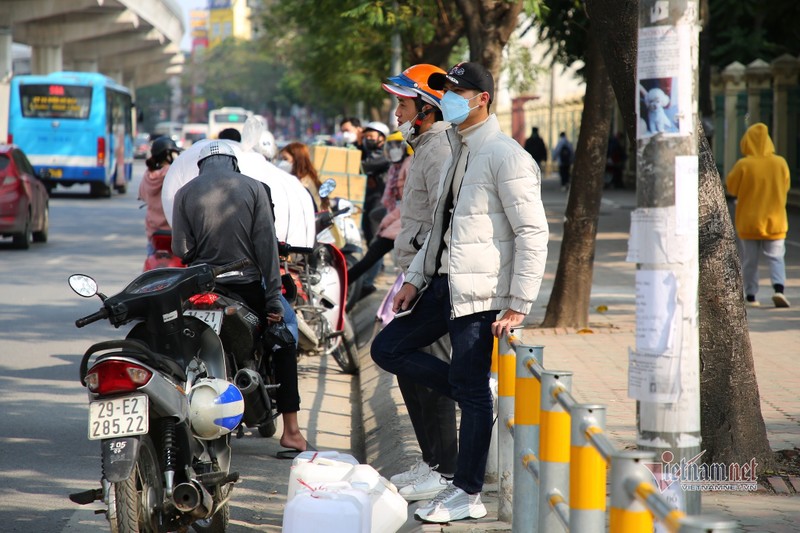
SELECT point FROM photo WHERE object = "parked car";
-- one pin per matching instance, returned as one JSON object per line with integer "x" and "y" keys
{"x": 24, "y": 202}
{"x": 141, "y": 146}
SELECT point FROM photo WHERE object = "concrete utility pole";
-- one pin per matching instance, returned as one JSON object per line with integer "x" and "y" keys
{"x": 664, "y": 368}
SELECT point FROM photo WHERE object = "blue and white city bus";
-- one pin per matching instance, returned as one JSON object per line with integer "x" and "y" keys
{"x": 75, "y": 127}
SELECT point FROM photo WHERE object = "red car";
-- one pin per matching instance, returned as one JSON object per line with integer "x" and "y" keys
{"x": 24, "y": 202}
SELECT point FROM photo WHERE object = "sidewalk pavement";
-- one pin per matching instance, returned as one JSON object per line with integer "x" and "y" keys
{"x": 390, "y": 445}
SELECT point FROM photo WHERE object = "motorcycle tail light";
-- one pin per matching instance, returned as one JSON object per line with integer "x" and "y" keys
{"x": 110, "y": 377}
{"x": 208, "y": 298}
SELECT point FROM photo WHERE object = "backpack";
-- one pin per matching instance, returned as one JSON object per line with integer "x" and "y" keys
{"x": 564, "y": 155}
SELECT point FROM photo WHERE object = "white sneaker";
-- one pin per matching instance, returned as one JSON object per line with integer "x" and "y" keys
{"x": 451, "y": 504}
{"x": 424, "y": 487}
{"x": 780, "y": 300}
{"x": 420, "y": 468}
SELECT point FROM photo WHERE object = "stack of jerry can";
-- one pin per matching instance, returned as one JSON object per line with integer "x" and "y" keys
{"x": 330, "y": 491}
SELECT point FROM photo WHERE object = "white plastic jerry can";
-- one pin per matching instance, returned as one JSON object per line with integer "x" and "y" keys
{"x": 389, "y": 509}
{"x": 332, "y": 509}
{"x": 311, "y": 474}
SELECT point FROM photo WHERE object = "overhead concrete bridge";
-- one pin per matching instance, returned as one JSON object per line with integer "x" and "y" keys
{"x": 136, "y": 42}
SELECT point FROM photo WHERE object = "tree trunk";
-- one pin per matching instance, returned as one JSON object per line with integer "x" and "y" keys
{"x": 732, "y": 425}
{"x": 489, "y": 25}
{"x": 569, "y": 300}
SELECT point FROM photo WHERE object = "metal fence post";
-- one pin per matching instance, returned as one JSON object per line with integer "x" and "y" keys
{"x": 553, "y": 447}
{"x": 628, "y": 515}
{"x": 527, "y": 402}
{"x": 587, "y": 471}
{"x": 505, "y": 424}
{"x": 491, "y": 460}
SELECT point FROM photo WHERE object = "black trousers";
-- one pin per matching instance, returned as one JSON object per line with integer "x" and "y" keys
{"x": 433, "y": 417}
{"x": 377, "y": 249}
{"x": 284, "y": 360}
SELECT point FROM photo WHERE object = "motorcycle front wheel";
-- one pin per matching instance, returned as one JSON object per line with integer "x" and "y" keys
{"x": 134, "y": 503}
{"x": 346, "y": 353}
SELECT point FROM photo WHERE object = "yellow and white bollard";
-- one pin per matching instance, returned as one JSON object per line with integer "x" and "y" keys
{"x": 527, "y": 404}
{"x": 554, "y": 447}
{"x": 505, "y": 427}
{"x": 628, "y": 515}
{"x": 587, "y": 471}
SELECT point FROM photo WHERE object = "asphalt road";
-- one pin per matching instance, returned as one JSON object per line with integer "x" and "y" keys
{"x": 44, "y": 450}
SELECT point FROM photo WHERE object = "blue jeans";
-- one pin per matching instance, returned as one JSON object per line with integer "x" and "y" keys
{"x": 398, "y": 350}
{"x": 290, "y": 318}
{"x": 750, "y": 251}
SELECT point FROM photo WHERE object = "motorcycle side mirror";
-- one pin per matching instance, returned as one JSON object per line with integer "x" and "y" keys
{"x": 327, "y": 188}
{"x": 83, "y": 285}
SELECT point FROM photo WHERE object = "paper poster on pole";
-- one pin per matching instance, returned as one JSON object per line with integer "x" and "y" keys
{"x": 653, "y": 378}
{"x": 686, "y": 194}
{"x": 656, "y": 302}
{"x": 648, "y": 238}
{"x": 664, "y": 80}
{"x": 652, "y": 237}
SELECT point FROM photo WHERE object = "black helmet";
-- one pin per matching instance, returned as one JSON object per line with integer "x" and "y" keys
{"x": 163, "y": 146}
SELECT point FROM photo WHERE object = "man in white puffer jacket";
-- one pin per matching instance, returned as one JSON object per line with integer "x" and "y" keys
{"x": 485, "y": 255}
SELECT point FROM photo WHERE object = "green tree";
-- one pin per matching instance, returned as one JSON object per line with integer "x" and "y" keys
{"x": 571, "y": 37}
{"x": 241, "y": 73}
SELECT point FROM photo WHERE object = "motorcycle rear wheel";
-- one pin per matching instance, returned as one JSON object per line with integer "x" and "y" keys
{"x": 346, "y": 353}
{"x": 217, "y": 523}
{"x": 132, "y": 508}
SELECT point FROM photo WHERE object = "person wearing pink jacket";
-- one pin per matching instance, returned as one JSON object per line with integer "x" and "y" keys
{"x": 162, "y": 153}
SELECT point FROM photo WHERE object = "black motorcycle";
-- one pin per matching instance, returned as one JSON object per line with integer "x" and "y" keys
{"x": 161, "y": 405}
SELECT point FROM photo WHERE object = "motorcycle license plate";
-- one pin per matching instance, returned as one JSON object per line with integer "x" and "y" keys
{"x": 212, "y": 318}
{"x": 118, "y": 417}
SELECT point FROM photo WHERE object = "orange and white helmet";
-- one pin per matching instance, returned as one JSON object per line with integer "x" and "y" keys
{"x": 413, "y": 82}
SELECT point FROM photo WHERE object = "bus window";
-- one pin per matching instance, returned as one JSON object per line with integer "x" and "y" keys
{"x": 55, "y": 101}
{"x": 226, "y": 117}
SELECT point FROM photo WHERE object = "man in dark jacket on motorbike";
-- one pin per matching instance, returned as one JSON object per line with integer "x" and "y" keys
{"x": 222, "y": 216}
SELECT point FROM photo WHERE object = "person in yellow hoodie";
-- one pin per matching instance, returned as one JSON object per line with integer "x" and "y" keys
{"x": 760, "y": 183}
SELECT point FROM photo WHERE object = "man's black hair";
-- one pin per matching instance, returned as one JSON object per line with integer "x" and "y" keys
{"x": 352, "y": 120}
{"x": 231, "y": 134}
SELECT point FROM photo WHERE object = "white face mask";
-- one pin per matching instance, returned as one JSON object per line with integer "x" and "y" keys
{"x": 285, "y": 165}
{"x": 406, "y": 129}
{"x": 396, "y": 154}
{"x": 349, "y": 137}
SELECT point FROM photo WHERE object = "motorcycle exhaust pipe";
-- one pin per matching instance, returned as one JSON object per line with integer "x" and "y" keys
{"x": 257, "y": 403}
{"x": 193, "y": 498}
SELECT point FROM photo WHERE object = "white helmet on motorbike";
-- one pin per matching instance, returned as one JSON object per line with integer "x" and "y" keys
{"x": 216, "y": 148}
{"x": 216, "y": 407}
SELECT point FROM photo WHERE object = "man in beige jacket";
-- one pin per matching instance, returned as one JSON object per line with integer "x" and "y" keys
{"x": 432, "y": 414}
{"x": 484, "y": 256}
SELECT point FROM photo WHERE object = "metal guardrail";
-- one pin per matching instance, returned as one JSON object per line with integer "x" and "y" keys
{"x": 553, "y": 457}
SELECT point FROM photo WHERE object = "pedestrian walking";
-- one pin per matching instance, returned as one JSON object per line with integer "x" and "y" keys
{"x": 485, "y": 255}
{"x": 760, "y": 183}
{"x": 534, "y": 145}
{"x": 432, "y": 414}
{"x": 564, "y": 155}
